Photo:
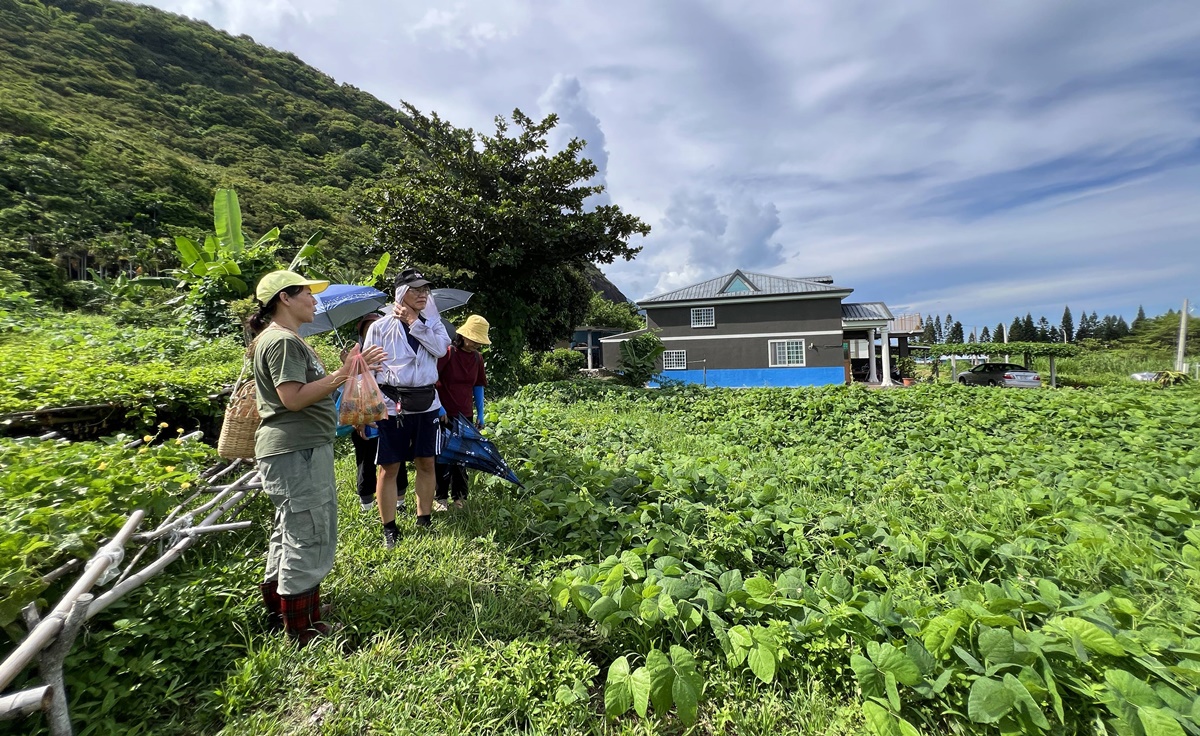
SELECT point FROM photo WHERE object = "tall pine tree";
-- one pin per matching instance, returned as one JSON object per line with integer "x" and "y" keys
{"x": 998, "y": 335}
{"x": 938, "y": 334}
{"x": 985, "y": 335}
{"x": 1043, "y": 329}
{"x": 1028, "y": 329}
{"x": 956, "y": 333}
{"x": 1139, "y": 320}
{"x": 1067, "y": 326}
{"x": 928, "y": 335}
{"x": 1016, "y": 331}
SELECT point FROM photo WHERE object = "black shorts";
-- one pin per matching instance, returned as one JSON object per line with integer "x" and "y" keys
{"x": 408, "y": 436}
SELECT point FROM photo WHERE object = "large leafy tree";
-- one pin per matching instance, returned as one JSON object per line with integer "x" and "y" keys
{"x": 501, "y": 216}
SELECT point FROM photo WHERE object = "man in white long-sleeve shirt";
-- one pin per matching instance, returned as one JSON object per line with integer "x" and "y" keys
{"x": 413, "y": 338}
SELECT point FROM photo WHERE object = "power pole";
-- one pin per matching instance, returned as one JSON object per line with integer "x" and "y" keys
{"x": 1183, "y": 316}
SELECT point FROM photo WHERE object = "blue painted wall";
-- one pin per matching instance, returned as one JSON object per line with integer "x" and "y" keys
{"x": 759, "y": 377}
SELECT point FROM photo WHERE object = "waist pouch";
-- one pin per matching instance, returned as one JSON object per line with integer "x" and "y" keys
{"x": 414, "y": 400}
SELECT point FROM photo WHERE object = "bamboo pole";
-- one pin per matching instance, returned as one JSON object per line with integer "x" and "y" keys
{"x": 52, "y": 624}
{"x": 119, "y": 590}
{"x": 50, "y": 666}
{"x": 23, "y": 703}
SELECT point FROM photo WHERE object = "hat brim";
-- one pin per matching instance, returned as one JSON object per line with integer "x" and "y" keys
{"x": 474, "y": 336}
{"x": 315, "y": 286}
{"x": 416, "y": 283}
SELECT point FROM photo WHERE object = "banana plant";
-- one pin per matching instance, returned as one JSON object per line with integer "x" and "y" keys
{"x": 219, "y": 254}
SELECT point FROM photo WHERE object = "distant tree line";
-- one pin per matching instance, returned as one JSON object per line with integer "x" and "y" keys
{"x": 1110, "y": 327}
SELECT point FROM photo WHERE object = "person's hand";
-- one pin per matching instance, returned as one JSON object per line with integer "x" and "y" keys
{"x": 479, "y": 426}
{"x": 362, "y": 431}
{"x": 374, "y": 356}
{"x": 402, "y": 312}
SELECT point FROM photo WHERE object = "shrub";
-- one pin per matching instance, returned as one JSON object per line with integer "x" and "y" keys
{"x": 639, "y": 358}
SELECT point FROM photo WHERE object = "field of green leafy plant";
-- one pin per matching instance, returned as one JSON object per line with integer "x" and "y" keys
{"x": 74, "y": 359}
{"x": 830, "y": 560}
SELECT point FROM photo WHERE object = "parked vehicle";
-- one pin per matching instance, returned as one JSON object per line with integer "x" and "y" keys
{"x": 1000, "y": 374}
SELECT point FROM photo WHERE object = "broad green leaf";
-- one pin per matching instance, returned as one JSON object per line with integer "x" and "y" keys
{"x": 1131, "y": 688}
{"x": 666, "y": 606}
{"x": 662, "y": 678}
{"x": 869, "y": 679}
{"x": 307, "y": 252}
{"x": 893, "y": 693}
{"x": 879, "y": 720}
{"x": 648, "y": 611}
{"x": 1159, "y": 722}
{"x": 762, "y": 662}
{"x": 633, "y": 564}
{"x": 189, "y": 256}
{"x": 616, "y": 576}
{"x": 892, "y": 660}
{"x": 271, "y": 236}
{"x": 730, "y": 581}
{"x": 989, "y": 701}
{"x": 996, "y": 645}
{"x": 227, "y": 221}
{"x": 618, "y": 692}
{"x": 759, "y": 587}
{"x": 380, "y": 269}
{"x": 686, "y": 696}
{"x": 639, "y": 685}
{"x": 1092, "y": 636}
{"x": 940, "y": 633}
{"x": 1023, "y": 699}
{"x": 601, "y": 609}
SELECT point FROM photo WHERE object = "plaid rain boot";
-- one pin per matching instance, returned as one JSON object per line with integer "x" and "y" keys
{"x": 302, "y": 616}
{"x": 274, "y": 603}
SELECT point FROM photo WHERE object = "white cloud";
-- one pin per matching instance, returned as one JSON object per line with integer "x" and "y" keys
{"x": 917, "y": 151}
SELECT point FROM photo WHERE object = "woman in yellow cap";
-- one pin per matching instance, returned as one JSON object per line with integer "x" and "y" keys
{"x": 461, "y": 378}
{"x": 294, "y": 449}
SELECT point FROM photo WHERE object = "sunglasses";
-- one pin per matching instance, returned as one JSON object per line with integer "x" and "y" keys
{"x": 421, "y": 291}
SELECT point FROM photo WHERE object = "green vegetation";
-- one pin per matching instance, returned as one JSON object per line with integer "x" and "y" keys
{"x": 118, "y": 121}
{"x": 76, "y": 359}
{"x": 501, "y": 216}
{"x": 751, "y": 560}
{"x": 60, "y": 498}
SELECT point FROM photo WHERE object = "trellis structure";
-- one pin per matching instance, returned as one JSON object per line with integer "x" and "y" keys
{"x": 1029, "y": 350}
{"x": 51, "y": 635}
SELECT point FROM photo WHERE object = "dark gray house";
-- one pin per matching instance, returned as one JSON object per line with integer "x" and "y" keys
{"x": 750, "y": 329}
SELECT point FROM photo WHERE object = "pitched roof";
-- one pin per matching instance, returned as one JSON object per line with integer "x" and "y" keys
{"x": 866, "y": 312}
{"x": 761, "y": 285}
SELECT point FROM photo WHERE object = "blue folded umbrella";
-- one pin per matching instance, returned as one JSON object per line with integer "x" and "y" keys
{"x": 463, "y": 445}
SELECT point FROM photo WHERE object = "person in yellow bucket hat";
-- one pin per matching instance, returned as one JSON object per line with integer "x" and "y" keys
{"x": 461, "y": 378}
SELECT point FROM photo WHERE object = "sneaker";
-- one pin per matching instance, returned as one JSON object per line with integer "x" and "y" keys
{"x": 367, "y": 506}
{"x": 399, "y": 503}
{"x": 440, "y": 506}
{"x": 390, "y": 537}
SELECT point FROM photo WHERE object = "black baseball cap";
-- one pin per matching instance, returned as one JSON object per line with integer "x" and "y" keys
{"x": 412, "y": 278}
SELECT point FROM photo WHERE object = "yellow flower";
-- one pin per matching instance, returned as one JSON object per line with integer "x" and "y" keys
{"x": 179, "y": 431}
{"x": 170, "y": 468}
{"x": 185, "y": 485}
{"x": 102, "y": 466}
{"x": 163, "y": 425}
{"x": 143, "y": 450}
{"x": 147, "y": 438}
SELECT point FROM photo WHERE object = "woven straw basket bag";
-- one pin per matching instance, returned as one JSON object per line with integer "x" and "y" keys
{"x": 241, "y": 421}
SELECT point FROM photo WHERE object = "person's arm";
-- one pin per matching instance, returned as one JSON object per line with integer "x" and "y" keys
{"x": 431, "y": 334}
{"x": 479, "y": 405}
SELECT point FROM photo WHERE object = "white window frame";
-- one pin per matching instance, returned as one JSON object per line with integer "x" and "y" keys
{"x": 704, "y": 316}
{"x": 674, "y": 360}
{"x": 771, "y": 354}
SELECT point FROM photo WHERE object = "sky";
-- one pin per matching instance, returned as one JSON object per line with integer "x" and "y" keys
{"x": 981, "y": 159}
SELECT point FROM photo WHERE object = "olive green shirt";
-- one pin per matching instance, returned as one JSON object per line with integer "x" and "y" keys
{"x": 282, "y": 357}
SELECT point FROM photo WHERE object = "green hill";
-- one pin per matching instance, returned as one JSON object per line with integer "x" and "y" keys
{"x": 118, "y": 121}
